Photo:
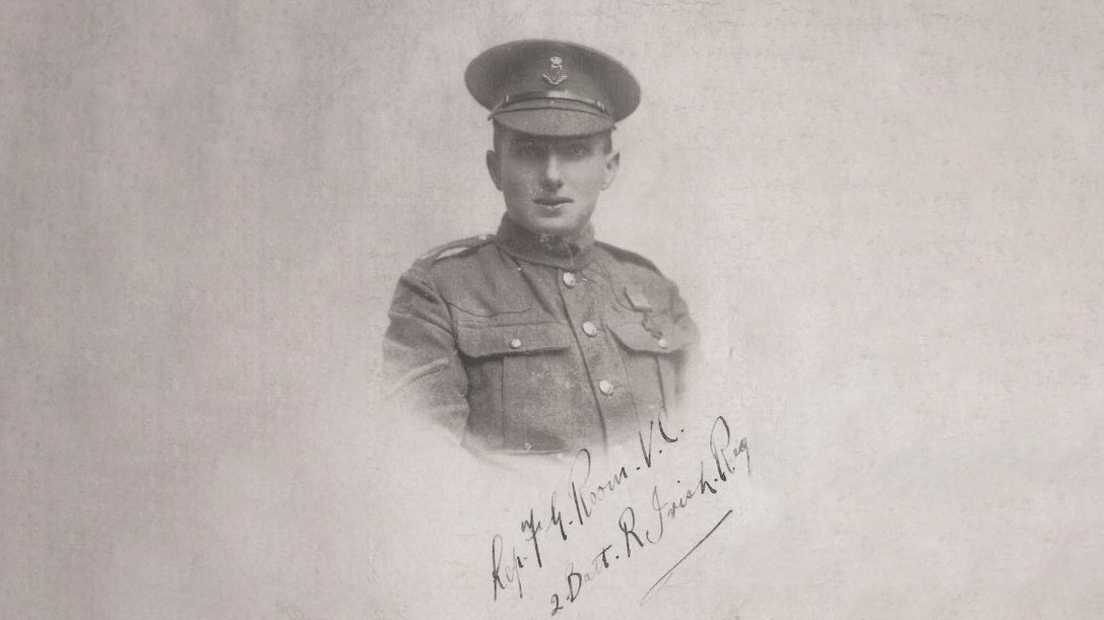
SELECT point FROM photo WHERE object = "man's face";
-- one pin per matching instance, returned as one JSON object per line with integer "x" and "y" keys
{"x": 551, "y": 185}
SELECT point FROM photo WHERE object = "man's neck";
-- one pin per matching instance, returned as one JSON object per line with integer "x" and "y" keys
{"x": 565, "y": 251}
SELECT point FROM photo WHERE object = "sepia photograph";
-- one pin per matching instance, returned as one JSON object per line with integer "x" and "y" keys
{"x": 404, "y": 310}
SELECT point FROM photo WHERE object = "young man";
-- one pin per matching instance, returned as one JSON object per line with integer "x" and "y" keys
{"x": 539, "y": 339}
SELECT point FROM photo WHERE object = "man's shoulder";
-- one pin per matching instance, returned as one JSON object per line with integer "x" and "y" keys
{"x": 629, "y": 259}
{"x": 637, "y": 277}
{"x": 454, "y": 249}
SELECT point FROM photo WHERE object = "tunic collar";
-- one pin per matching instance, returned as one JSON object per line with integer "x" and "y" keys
{"x": 569, "y": 253}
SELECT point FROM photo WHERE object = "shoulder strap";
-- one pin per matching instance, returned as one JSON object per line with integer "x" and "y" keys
{"x": 453, "y": 248}
{"x": 626, "y": 255}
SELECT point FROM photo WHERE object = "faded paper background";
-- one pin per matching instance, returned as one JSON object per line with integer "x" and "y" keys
{"x": 885, "y": 216}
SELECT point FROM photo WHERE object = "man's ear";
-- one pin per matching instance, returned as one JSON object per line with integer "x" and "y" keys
{"x": 613, "y": 164}
{"x": 492, "y": 168}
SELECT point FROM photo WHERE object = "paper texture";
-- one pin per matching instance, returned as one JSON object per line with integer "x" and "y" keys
{"x": 885, "y": 218}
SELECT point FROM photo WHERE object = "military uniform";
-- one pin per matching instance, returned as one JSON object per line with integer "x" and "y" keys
{"x": 528, "y": 341}
{"x": 519, "y": 345}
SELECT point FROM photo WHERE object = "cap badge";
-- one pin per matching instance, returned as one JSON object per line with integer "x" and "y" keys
{"x": 555, "y": 74}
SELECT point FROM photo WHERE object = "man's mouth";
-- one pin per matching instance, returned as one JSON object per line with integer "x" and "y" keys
{"x": 551, "y": 201}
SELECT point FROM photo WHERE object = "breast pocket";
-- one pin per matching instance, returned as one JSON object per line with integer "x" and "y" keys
{"x": 652, "y": 357}
{"x": 519, "y": 381}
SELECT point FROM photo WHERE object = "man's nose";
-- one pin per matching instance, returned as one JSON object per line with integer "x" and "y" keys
{"x": 552, "y": 172}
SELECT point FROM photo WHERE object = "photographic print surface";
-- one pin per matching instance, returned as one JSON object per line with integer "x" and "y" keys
{"x": 867, "y": 232}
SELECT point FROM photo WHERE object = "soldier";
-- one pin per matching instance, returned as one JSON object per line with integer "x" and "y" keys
{"x": 539, "y": 339}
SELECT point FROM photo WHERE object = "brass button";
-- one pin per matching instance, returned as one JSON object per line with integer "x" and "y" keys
{"x": 605, "y": 387}
{"x": 662, "y": 342}
{"x": 569, "y": 279}
{"x": 515, "y": 344}
{"x": 590, "y": 329}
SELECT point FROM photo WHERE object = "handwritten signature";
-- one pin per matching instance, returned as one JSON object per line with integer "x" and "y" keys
{"x": 637, "y": 529}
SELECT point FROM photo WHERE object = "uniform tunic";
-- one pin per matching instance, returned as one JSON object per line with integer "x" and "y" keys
{"x": 530, "y": 344}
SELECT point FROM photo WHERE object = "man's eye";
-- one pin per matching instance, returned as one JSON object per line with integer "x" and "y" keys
{"x": 578, "y": 149}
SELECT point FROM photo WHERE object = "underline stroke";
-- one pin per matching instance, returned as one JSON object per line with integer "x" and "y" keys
{"x": 667, "y": 575}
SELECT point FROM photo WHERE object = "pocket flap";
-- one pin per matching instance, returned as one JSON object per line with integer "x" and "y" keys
{"x": 635, "y": 337}
{"x": 488, "y": 340}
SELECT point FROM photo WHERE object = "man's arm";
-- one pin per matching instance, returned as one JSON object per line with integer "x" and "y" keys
{"x": 685, "y": 334}
{"x": 422, "y": 372}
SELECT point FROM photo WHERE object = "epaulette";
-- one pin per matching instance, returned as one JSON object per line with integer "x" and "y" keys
{"x": 632, "y": 257}
{"x": 454, "y": 248}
